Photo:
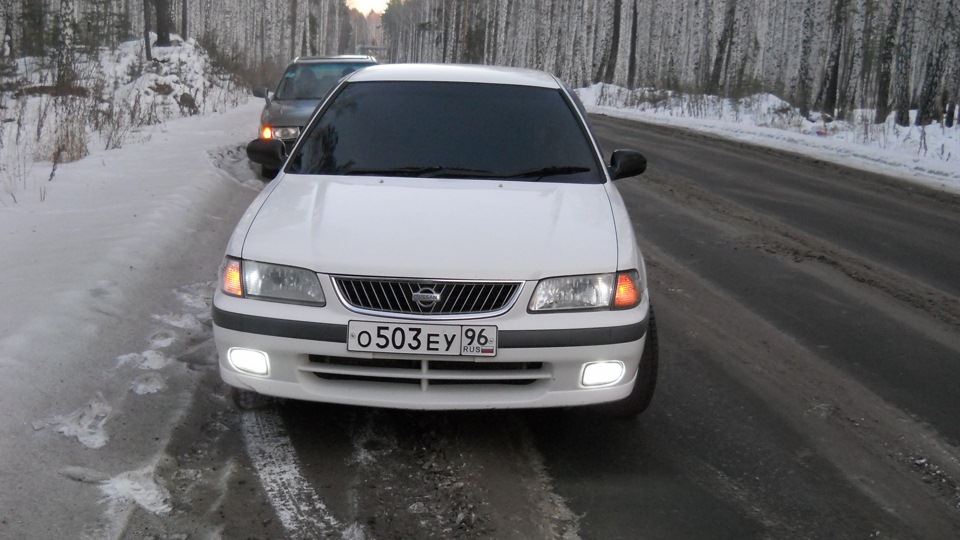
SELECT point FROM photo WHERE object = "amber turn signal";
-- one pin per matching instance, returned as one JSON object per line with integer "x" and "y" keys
{"x": 230, "y": 282}
{"x": 627, "y": 295}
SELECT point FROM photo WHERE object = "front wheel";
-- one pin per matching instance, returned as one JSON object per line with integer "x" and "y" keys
{"x": 643, "y": 387}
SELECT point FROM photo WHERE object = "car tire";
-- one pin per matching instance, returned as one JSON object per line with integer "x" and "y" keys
{"x": 646, "y": 383}
{"x": 268, "y": 174}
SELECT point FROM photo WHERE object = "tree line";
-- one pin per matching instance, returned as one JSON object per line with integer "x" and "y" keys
{"x": 829, "y": 56}
{"x": 254, "y": 38}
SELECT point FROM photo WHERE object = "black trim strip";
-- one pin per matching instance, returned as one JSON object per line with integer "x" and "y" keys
{"x": 575, "y": 337}
{"x": 509, "y": 339}
{"x": 251, "y": 324}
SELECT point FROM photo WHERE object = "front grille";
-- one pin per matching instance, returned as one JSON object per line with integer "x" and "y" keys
{"x": 425, "y": 373}
{"x": 426, "y": 298}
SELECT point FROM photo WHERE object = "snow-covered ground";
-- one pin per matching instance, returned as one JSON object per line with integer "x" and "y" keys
{"x": 115, "y": 97}
{"x": 104, "y": 285}
{"x": 106, "y": 263}
{"x": 927, "y": 155}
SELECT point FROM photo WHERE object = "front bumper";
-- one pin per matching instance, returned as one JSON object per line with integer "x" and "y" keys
{"x": 539, "y": 363}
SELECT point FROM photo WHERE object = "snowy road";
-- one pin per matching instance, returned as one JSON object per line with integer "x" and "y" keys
{"x": 806, "y": 338}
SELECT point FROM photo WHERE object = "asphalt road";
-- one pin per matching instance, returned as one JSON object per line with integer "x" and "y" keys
{"x": 809, "y": 340}
{"x": 810, "y": 347}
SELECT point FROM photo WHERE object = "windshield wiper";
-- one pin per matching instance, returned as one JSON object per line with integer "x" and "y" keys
{"x": 421, "y": 172}
{"x": 548, "y": 171}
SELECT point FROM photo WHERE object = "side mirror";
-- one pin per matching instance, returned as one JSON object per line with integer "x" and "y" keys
{"x": 624, "y": 163}
{"x": 261, "y": 92}
{"x": 267, "y": 152}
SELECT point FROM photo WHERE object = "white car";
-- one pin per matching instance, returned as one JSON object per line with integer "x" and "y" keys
{"x": 441, "y": 237}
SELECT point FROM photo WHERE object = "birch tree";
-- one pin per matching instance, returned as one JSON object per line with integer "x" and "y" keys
{"x": 901, "y": 82}
{"x": 827, "y": 55}
{"x": 64, "y": 57}
{"x": 6, "y": 39}
{"x": 935, "y": 68}
{"x": 884, "y": 76}
{"x": 831, "y": 83}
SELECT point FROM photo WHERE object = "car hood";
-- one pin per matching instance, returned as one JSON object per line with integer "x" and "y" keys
{"x": 435, "y": 228}
{"x": 288, "y": 112}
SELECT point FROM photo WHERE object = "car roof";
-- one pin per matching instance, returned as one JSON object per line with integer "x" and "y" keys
{"x": 456, "y": 73}
{"x": 332, "y": 59}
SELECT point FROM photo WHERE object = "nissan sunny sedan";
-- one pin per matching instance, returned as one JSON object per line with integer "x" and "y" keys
{"x": 441, "y": 237}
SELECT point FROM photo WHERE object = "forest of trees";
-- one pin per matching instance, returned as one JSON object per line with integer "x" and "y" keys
{"x": 825, "y": 55}
{"x": 252, "y": 37}
{"x": 829, "y": 56}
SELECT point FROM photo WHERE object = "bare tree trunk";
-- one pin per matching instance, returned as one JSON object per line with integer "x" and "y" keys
{"x": 183, "y": 20}
{"x": 926, "y": 103}
{"x": 723, "y": 48}
{"x": 6, "y": 46}
{"x": 64, "y": 55}
{"x": 146, "y": 30}
{"x": 935, "y": 68}
{"x": 886, "y": 63}
{"x": 263, "y": 40}
{"x": 803, "y": 70}
{"x": 293, "y": 28}
{"x": 855, "y": 80}
{"x": 831, "y": 81}
{"x": 614, "y": 43}
{"x": 901, "y": 86}
{"x": 163, "y": 22}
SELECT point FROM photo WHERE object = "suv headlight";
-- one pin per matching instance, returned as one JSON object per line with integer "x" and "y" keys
{"x": 272, "y": 282}
{"x": 268, "y": 132}
{"x": 622, "y": 290}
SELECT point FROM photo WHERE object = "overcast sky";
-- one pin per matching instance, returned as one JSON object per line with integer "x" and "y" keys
{"x": 364, "y": 6}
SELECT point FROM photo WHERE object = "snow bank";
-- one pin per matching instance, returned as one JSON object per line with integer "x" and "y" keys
{"x": 928, "y": 155}
{"x": 116, "y": 95}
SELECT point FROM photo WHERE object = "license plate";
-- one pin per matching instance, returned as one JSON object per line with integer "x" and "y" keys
{"x": 437, "y": 339}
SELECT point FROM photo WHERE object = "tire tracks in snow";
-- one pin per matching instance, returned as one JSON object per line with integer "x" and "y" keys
{"x": 297, "y": 504}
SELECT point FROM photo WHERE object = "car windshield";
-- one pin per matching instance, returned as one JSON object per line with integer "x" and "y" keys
{"x": 313, "y": 81}
{"x": 453, "y": 130}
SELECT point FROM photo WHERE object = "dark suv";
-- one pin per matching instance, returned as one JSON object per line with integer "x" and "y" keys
{"x": 304, "y": 83}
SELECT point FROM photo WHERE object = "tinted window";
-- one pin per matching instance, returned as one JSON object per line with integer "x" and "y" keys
{"x": 449, "y": 130}
{"x": 313, "y": 81}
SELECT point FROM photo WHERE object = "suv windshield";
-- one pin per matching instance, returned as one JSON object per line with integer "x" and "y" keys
{"x": 313, "y": 81}
{"x": 454, "y": 130}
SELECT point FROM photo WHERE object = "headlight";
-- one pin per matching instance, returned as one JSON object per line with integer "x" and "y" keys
{"x": 598, "y": 291}
{"x": 273, "y": 282}
{"x": 268, "y": 132}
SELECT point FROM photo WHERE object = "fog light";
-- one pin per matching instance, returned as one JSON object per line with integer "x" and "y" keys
{"x": 249, "y": 361}
{"x": 602, "y": 373}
